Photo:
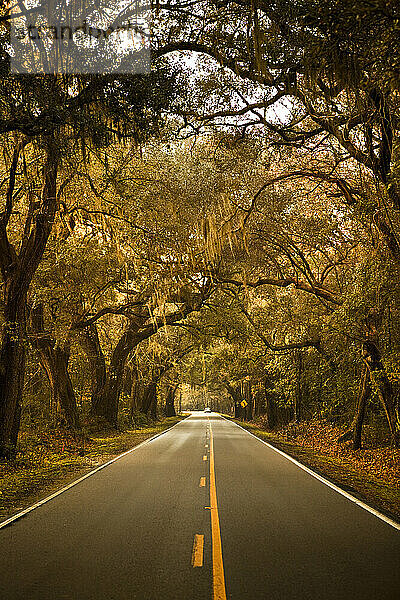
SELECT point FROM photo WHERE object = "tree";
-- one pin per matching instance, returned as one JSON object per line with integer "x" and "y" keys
{"x": 51, "y": 118}
{"x": 18, "y": 269}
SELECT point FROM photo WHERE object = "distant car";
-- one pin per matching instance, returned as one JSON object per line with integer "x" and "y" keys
{"x": 207, "y": 409}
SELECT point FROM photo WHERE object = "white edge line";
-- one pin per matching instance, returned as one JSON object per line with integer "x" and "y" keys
{"x": 334, "y": 487}
{"x": 74, "y": 483}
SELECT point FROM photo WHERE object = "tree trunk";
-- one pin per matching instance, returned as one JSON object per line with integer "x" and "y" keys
{"x": 107, "y": 406}
{"x": 355, "y": 431}
{"x": 298, "y": 398}
{"x": 54, "y": 360}
{"x": 236, "y": 396}
{"x": 108, "y": 400}
{"x": 360, "y": 410}
{"x": 170, "y": 401}
{"x": 248, "y": 396}
{"x": 127, "y": 381}
{"x": 90, "y": 344}
{"x": 380, "y": 381}
{"x": 12, "y": 371}
{"x": 136, "y": 397}
{"x": 260, "y": 400}
{"x": 270, "y": 408}
{"x": 153, "y": 404}
{"x": 136, "y": 331}
{"x": 270, "y": 411}
{"x": 17, "y": 271}
{"x": 149, "y": 403}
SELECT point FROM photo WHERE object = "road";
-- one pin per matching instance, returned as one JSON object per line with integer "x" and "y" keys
{"x": 203, "y": 512}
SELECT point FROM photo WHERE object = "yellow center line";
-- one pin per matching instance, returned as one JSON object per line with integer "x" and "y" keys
{"x": 202, "y": 482}
{"x": 198, "y": 550}
{"x": 219, "y": 591}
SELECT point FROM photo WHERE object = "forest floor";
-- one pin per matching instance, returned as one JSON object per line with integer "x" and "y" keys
{"x": 371, "y": 474}
{"x": 48, "y": 460}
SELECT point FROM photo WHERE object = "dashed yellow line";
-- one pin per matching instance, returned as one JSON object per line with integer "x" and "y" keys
{"x": 202, "y": 482}
{"x": 198, "y": 550}
{"x": 219, "y": 591}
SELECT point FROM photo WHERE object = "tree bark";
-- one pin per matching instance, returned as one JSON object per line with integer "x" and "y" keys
{"x": 136, "y": 397}
{"x": 355, "y": 431}
{"x": 149, "y": 402}
{"x": 90, "y": 344}
{"x": 54, "y": 360}
{"x": 270, "y": 408}
{"x": 108, "y": 399}
{"x": 298, "y": 398}
{"x": 380, "y": 381}
{"x": 237, "y": 398}
{"x": 153, "y": 404}
{"x": 247, "y": 396}
{"x": 12, "y": 372}
{"x": 360, "y": 410}
{"x": 260, "y": 403}
{"x": 17, "y": 271}
{"x": 170, "y": 401}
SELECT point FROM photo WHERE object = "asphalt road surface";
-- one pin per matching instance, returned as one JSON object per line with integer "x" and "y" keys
{"x": 203, "y": 512}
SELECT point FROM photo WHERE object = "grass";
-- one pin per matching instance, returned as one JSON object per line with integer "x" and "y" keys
{"x": 48, "y": 460}
{"x": 371, "y": 474}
